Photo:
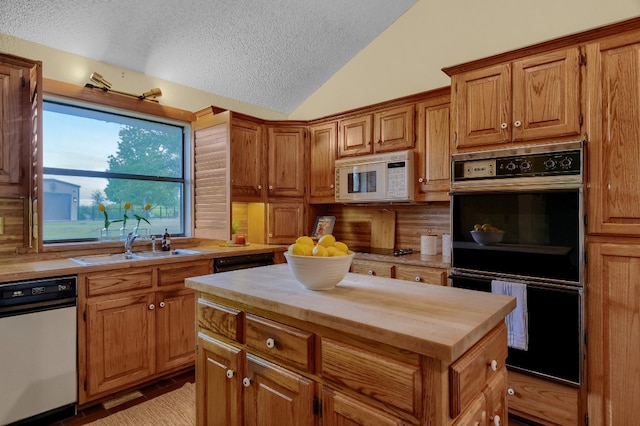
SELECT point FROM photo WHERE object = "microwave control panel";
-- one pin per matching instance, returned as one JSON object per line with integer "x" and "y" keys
{"x": 545, "y": 164}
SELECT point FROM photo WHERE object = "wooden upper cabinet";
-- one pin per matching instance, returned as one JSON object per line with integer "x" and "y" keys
{"x": 20, "y": 103}
{"x": 354, "y": 136}
{"x": 285, "y": 222}
{"x": 322, "y": 150}
{"x": 614, "y": 144}
{"x": 393, "y": 129}
{"x": 433, "y": 161}
{"x": 287, "y": 166}
{"x": 536, "y": 98}
{"x": 247, "y": 165}
{"x": 382, "y": 131}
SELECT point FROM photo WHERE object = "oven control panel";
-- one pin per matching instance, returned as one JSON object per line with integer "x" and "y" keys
{"x": 538, "y": 164}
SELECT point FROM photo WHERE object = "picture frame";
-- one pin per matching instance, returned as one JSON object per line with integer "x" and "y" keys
{"x": 323, "y": 226}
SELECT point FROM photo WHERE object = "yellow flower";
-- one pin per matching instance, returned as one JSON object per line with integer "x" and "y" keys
{"x": 103, "y": 209}
{"x": 147, "y": 207}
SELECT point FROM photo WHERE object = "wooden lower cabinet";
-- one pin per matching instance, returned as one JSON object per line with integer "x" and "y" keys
{"x": 251, "y": 370}
{"x": 131, "y": 330}
{"x": 421, "y": 274}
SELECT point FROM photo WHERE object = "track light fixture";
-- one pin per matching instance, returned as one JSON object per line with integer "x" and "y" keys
{"x": 99, "y": 82}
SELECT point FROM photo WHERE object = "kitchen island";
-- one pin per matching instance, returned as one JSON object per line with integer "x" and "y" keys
{"x": 371, "y": 351}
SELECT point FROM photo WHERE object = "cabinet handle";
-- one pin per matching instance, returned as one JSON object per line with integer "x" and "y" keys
{"x": 510, "y": 391}
{"x": 418, "y": 279}
{"x": 270, "y": 187}
{"x": 420, "y": 180}
{"x": 152, "y": 307}
{"x": 331, "y": 186}
{"x": 496, "y": 420}
{"x": 230, "y": 373}
{"x": 246, "y": 382}
{"x": 271, "y": 343}
{"x": 370, "y": 272}
{"x": 162, "y": 304}
{"x": 503, "y": 126}
{"x": 494, "y": 365}
{"x": 260, "y": 187}
{"x": 517, "y": 123}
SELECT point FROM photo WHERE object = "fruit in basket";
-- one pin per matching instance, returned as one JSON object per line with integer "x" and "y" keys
{"x": 327, "y": 246}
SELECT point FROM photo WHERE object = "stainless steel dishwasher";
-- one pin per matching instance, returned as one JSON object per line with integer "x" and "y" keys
{"x": 38, "y": 347}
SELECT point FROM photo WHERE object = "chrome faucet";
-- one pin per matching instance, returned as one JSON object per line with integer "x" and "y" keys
{"x": 129, "y": 242}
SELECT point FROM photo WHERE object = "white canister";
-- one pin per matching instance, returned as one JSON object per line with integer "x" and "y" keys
{"x": 429, "y": 245}
{"x": 446, "y": 245}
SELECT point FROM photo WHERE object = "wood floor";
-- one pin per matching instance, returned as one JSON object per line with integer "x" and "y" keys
{"x": 99, "y": 411}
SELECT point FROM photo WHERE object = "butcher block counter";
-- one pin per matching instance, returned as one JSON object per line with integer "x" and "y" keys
{"x": 370, "y": 351}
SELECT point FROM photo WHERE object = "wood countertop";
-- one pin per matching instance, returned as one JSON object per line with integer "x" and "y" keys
{"x": 440, "y": 322}
{"x": 35, "y": 269}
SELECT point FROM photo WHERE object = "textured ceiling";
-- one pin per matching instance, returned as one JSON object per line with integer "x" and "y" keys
{"x": 273, "y": 54}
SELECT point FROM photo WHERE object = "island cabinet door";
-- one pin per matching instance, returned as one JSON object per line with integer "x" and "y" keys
{"x": 218, "y": 383}
{"x": 176, "y": 335}
{"x": 275, "y": 396}
{"x": 341, "y": 410}
{"x": 120, "y": 342}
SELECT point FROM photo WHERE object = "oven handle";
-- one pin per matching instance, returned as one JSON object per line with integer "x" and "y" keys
{"x": 490, "y": 277}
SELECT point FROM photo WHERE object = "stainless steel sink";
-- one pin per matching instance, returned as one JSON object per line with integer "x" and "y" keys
{"x": 101, "y": 259}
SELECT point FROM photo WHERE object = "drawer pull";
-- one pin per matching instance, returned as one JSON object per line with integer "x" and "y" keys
{"x": 246, "y": 382}
{"x": 271, "y": 343}
{"x": 418, "y": 279}
{"x": 496, "y": 420}
{"x": 510, "y": 391}
{"x": 152, "y": 307}
{"x": 162, "y": 304}
{"x": 230, "y": 373}
{"x": 494, "y": 365}
{"x": 370, "y": 272}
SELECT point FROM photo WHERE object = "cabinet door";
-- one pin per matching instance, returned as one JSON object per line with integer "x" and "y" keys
{"x": 546, "y": 96}
{"x": 286, "y": 222}
{"x": 15, "y": 122}
{"x": 433, "y": 153}
{"x": 275, "y": 396}
{"x": 340, "y": 410}
{"x": 175, "y": 333}
{"x": 354, "y": 136}
{"x": 247, "y": 165}
{"x": 496, "y": 398}
{"x": 322, "y": 163}
{"x": 482, "y": 107}
{"x": 368, "y": 267}
{"x": 120, "y": 339}
{"x": 613, "y": 308}
{"x": 286, "y": 162}
{"x": 614, "y": 146}
{"x": 218, "y": 390}
{"x": 394, "y": 129}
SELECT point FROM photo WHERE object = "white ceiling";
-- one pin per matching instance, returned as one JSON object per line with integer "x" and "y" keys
{"x": 273, "y": 54}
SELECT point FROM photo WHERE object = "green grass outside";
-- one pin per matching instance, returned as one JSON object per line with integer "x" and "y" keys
{"x": 90, "y": 229}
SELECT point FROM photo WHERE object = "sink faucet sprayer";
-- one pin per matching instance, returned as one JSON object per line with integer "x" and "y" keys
{"x": 129, "y": 242}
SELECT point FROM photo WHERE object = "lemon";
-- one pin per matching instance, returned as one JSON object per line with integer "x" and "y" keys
{"x": 308, "y": 250}
{"x": 305, "y": 240}
{"x": 319, "y": 251}
{"x": 339, "y": 253}
{"x": 297, "y": 249}
{"x": 331, "y": 251}
{"x": 341, "y": 246}
{"x": 327, "y": 240}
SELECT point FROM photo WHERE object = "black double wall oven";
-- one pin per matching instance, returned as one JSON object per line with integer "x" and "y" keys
{"x": 535, "y": 196}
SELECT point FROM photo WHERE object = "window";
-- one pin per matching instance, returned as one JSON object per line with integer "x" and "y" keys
{"x": 94, "y": 157}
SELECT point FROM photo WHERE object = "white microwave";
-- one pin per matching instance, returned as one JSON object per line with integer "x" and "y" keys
{"x": 375, "y": 178}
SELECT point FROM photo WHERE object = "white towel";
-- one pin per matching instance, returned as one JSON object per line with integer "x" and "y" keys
{"x": 517, "y": 331}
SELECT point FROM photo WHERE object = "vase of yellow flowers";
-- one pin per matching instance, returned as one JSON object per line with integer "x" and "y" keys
{"x": 142, "y": 232}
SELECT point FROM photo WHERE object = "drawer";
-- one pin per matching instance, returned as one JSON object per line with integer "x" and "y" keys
{"x": 422, "y": 274}
{"x": 111, "y": 282}
{"x": 543, "y": 401}
{"x": 219, "y": 319}
{"x": 469, "y": 374}
{"x": 288, "y": 344}
{"x": 176, "y": 273}
{"x": 378, "y": 269}
{"x": 382, "y": 378}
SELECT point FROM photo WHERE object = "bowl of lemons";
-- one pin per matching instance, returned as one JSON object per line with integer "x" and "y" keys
{"x": 321, "y": 265}
{"x": 486, "y": 234}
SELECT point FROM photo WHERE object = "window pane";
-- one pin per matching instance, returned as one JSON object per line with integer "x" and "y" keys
{"x": 92, "y": 157}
